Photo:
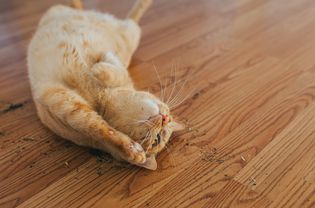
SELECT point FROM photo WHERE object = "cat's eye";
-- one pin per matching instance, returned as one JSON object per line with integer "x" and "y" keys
{"x": 158, "y": 137}
{"x": 157, "y": 140}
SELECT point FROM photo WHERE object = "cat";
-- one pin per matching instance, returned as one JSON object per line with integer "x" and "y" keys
{"x": 77, "y": 65}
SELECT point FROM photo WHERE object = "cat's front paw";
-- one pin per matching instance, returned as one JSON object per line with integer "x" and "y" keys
{"x": 134, "y": 153}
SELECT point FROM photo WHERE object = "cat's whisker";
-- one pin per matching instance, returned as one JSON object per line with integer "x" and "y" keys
{"x": 139, "y": 121}
{"x": 159, "y": 78}
{"x": 183, "y": 81}
{"x": 145, "y": 138}
{"x": 145, "y": 121}
{"x": 151, "y": 125}
{"x": 134, "y": 121}
{"x": 177, "y": 97}
{"x": 183, "y": 100}
{"x": 147, "y": 124}
{"x": 165, "y": 84}
{"x": 179, "y": 92}
{"x": 174, "y": 85}
{"x": 175, "y": 100}
{"x": 173, "y": 79}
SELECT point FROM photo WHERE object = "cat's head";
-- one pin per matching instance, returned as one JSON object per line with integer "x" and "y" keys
{"x": 151, "y": 122}
{"x": 143, "y": 117}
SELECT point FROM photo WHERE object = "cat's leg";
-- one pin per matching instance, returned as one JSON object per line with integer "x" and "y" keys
{"x": 74, "y": 112}
{"x": 110, "y": 72}
{"x": 139, "y": 9}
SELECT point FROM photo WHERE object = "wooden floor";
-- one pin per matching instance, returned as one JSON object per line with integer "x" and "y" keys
{"x": 249, "y": 140}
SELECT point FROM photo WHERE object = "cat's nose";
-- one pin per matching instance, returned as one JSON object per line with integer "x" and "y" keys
{"x": 165, "y": 119}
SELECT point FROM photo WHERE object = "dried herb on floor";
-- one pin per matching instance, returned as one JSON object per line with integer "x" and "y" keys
{"x": 101, "y": 156}
{"x": 100, "y": 171}
{"x": 67, "y": 164}
{"x": 28, "y": 139}
{"x": 6, "y": 107}
{"x": 211, "y": 156}
{"x": 67, "y": 144}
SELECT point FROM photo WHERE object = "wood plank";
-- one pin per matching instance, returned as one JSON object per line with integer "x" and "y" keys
{"x": 250, "y": 115}
{"x": 292, "y": 154}
{"x": 235, "y": 194}
{"x": 246, "y": 140}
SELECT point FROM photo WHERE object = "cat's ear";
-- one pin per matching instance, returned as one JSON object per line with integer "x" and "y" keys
{"x": 150, "y": 163}
{"x": 176, "y": 126}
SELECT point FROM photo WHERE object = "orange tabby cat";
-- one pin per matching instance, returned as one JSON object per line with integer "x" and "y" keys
{"x": 77, "y": 63}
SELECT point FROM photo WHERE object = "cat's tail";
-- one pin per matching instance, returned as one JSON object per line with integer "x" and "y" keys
{"x": 77, "y": 4}
{"x": 139, "y": 9}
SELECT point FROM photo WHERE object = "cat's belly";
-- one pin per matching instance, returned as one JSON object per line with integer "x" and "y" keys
{"x": 69, "y": 40}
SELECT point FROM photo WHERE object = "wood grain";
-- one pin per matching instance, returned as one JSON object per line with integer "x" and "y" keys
{"x": 249, "y": 111}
